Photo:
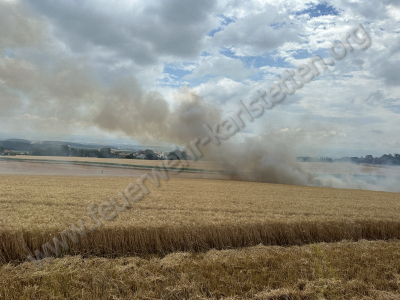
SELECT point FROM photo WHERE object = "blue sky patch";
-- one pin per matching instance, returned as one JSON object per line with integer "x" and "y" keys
{"x": 278, "y": 25}
{"x": 267, "y": 59}
{"x": 225, "y": 21}
{"x": 302, "y": 54}
{"x": 394, "y": 108}
{"x": 321, "y": 9}
{"x": 173, "y": 75}
{"x": 8, "y": 53}
{"x": 176, "y": 71}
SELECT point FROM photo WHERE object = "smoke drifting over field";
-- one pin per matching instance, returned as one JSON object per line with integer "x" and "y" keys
{"x": 272, "y": 159}
{"x": 70, "y": 93}
{"x": 263, "y": 160}
{"x": 143, "y": 116}
{"x": 267, "y": 158}
{"x": 58, "y": 92}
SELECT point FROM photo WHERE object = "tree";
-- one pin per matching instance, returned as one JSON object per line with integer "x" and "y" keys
{"x": 106, "y": 153}
{"x": 37, "y": 152}
{"x": 184, "y": 154}
{"x": 64, "y": 150}
{"x": 172, "y": 155}
{"x": 75, "y": 152}
{"x": 150, "y": 154}
{"x": 177, "y": 154}
{"x": 397, "y": 159}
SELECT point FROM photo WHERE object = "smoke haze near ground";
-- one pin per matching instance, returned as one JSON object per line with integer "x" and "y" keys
{"x": 272, "y": 159}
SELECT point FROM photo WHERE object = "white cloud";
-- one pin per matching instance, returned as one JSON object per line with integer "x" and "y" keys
{"x": 220, "y": 65}
{"x": 223, "y": 91}
{"x": 254, "y": 34}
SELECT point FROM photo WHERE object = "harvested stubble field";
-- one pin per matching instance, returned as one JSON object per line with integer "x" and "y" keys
{"x": 88, "y": 166}
{"x": 343, "y": 270}
{"x": 198, "y": 215}
{"x": 110, "y": 162}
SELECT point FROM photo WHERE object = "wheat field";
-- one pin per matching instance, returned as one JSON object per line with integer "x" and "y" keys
{"x": 192, "y": 224}
{"x": 188, "y": 214}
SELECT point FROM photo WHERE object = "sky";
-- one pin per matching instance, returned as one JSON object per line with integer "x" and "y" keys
{"x": 116, "y": 70}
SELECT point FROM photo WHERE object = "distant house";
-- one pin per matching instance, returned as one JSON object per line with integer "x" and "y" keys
{"x": 162, "y": 155}
{"x": 123, "y": 154}
{"x": 141, "y": 156}
{"x": 7, "y": 152}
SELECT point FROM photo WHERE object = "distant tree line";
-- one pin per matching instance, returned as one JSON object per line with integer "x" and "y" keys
{"x": 16, "y": 145}
{"x": 386, "y": 159}
{"x": 314, "y": 159}
{"x": 65, "y": 150}
{"x": 151, "y": 155}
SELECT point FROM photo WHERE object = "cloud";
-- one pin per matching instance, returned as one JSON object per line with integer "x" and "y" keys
{"x": 375, "y": 98}
{"x": 220, "y": 65}
{"x": 369, "y": 9}
{"x": 223, "y": 91}
{"x": 141, "y": 31}
{"x": 390, "y": 72}
{"x": 256, "y": 34}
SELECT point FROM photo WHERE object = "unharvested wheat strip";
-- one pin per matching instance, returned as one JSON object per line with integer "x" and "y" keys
{"x": 144, "y": 241}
